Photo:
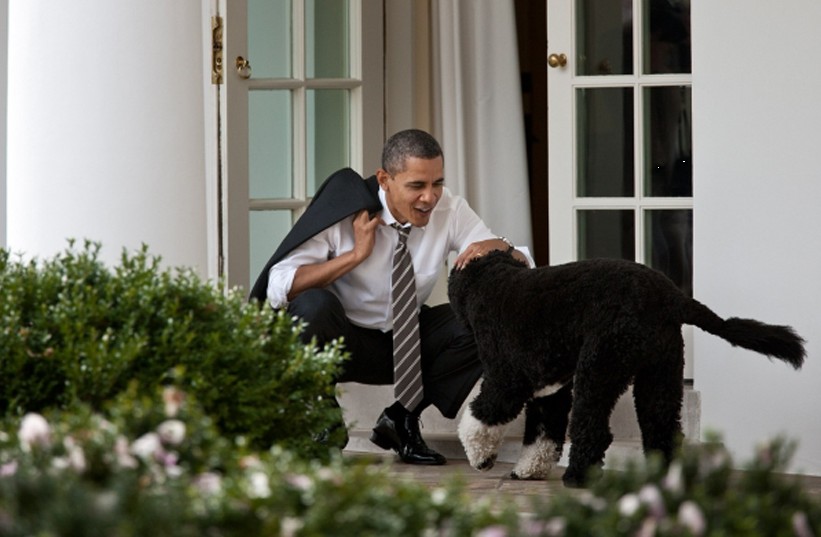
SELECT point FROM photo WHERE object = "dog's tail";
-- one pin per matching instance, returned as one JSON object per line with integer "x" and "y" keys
{"x": 781, "y": 342}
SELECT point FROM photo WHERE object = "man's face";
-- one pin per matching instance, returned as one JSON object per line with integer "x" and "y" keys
{"x": 413, "y": 193}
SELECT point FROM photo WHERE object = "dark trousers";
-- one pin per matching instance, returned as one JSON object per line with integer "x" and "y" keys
{"x": 450, "y": 363}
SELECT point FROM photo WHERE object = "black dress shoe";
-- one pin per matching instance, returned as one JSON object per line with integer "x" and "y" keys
{"x": 398, "y": 429}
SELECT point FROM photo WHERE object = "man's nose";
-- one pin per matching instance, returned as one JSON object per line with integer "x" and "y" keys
{"x": 428, "y": 195}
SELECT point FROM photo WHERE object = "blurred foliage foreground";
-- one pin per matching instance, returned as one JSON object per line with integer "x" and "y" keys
{"x": 137, "y": 401}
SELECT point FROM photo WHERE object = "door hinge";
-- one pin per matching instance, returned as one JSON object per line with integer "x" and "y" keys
{"x": 216, "y": 50}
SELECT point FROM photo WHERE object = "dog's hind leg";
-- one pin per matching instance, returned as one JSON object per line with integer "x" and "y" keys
{"x": 658, "y": 391}
{"x": 600, "y": 380}
{"x": 546, "y": 421}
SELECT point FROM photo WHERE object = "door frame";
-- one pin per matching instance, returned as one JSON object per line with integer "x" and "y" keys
{"x": 226, "y": 115}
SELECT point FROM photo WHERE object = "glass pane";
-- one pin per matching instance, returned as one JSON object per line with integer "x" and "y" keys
{"x": 269, "y": 38}
{"x": 607, "y": 233}
{"x": 267, "y": 229}
{"x": 669, "y": 244}
{"x": 604, "y": 41}
{"x": 269, "y": 144}
{"x": 667, "y": 36}
{"x": 328, "y": 134}
{"x": 326, "y": 39}
{"x": 668, "y": 142}
{"x": 605, "y": 142}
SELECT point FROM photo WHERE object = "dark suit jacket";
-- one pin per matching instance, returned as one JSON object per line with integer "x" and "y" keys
{"x": 341, "y": 195}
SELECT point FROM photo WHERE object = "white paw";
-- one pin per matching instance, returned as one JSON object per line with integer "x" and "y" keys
{"x": 481, "y": 442}
{"x": 536, "y": 460}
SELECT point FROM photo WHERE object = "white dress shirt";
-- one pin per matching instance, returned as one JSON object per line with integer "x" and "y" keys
{"x": 365, "y": 292}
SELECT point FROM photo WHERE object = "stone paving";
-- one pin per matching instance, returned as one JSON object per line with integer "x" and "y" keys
{"x": 496, "y": 483}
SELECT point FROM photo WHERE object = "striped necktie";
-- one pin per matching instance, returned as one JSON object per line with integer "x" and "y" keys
{"x": 407, "y": 358}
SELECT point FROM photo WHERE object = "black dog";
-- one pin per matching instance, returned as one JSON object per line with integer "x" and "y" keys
{"x": 567, "y": 341}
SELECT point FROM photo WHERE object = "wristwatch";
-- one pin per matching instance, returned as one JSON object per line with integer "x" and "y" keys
{"x": 510, "y": 246}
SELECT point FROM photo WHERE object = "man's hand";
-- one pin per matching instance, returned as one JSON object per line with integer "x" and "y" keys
{"x": 364, "y": 228}
{"x": 324, "y": 273}
{"x": 478, "y": 249}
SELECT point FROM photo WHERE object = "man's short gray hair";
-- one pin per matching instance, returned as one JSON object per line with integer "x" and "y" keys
{"x": 405, "y": 144}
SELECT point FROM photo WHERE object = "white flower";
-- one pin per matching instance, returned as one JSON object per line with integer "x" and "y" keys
{"x": 592, "y": 501}
{"x": 147, "y": 446}
{"x": 691, "y": 517}
{"x": 300, "y": 481}
{"x": 172, "y": 432}
{"x": 208, "y": 483}
{"x": 75, "y": 455}
{"x": 290, "y": 526}
{"x": 493, "y": 531}
{"x": 258, "y": 486}
{"x": 173, "y": 398}
{"x": 8, "y": 469}
{"x": 629, "y": 504}
{"x": 439, "y": 496}
{"x": 124, "y": 458}
{"x": 800, "y": 525}
{"x": 34, "y": 431}
{"x": 674, "y": 480}
{"x": 651, "y": 496}
{"x": 555, "y": 526}
{"x": 648, "y": 528}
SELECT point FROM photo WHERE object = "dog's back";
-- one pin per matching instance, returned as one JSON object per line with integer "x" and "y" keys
{"x": 583, "y": 297}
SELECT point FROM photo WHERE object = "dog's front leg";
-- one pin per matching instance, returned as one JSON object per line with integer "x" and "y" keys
{"x": 481, "y": 441}
{"x": 485, "y": 420}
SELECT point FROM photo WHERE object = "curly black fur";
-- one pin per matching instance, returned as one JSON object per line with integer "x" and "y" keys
{"x": 600, "y": 325}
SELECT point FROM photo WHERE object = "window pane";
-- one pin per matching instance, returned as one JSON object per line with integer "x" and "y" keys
{"x": 604, "y": 37}
{"x": 606, "y": 233}
{"x": 267, "y": 229}
{"x": 668, "y": 142}
{"x": 667, "y": 36}
{"x": 269, "y": 144}
{"x": 328, "y": 134}
{"x": 605, "y": 142}
{"x": 269, "y": 38}
{"x": 669, "y": 244}
{"x": 326, "y": 39}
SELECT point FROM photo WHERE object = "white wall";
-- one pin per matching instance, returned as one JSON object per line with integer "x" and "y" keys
{"x": 4, "y": 19}
{"x": 757, "y": 195}
{"x": 106, "y": 128}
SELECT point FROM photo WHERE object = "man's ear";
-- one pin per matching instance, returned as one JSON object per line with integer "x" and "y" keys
{"x": 382, "y": 177}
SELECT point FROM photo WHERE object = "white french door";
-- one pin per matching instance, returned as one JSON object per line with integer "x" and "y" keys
{"x": 619, "y": 118}
{"x": 302, "y": 97}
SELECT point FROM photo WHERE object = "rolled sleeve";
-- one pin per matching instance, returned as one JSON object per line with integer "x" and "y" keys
{"x": 280, "y": 279}
{"x": 317, "y": 249}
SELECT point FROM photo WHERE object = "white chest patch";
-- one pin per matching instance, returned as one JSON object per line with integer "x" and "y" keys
{"x": 550, "y": 389}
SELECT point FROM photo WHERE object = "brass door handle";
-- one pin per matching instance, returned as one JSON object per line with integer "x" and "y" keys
{"x": 557, "y": 60}
{"x": 243, "y": 67}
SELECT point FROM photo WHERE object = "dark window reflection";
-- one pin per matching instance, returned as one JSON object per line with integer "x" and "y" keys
{"x": 607, "y": 233}
{"x": 668, "y": 142}
{"x": 669, "y": 243}
{"x": 604, "y": 37}
{"x": 605, "y": 142}
{"x": 668, "y": 36}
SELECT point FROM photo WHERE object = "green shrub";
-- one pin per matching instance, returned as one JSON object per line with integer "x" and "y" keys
{"x": 141, "y": 471}
{"x": 74, "y": 331}
{"x": 699, "y": 494}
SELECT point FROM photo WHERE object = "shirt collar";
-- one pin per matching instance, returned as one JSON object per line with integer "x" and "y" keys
{"x": 387, "y": 216}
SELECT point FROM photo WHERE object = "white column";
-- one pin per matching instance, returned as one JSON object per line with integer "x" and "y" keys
{"x": 106, "y": 128}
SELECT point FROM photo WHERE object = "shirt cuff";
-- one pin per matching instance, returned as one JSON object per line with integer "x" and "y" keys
{"x": 280, "y": 281}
